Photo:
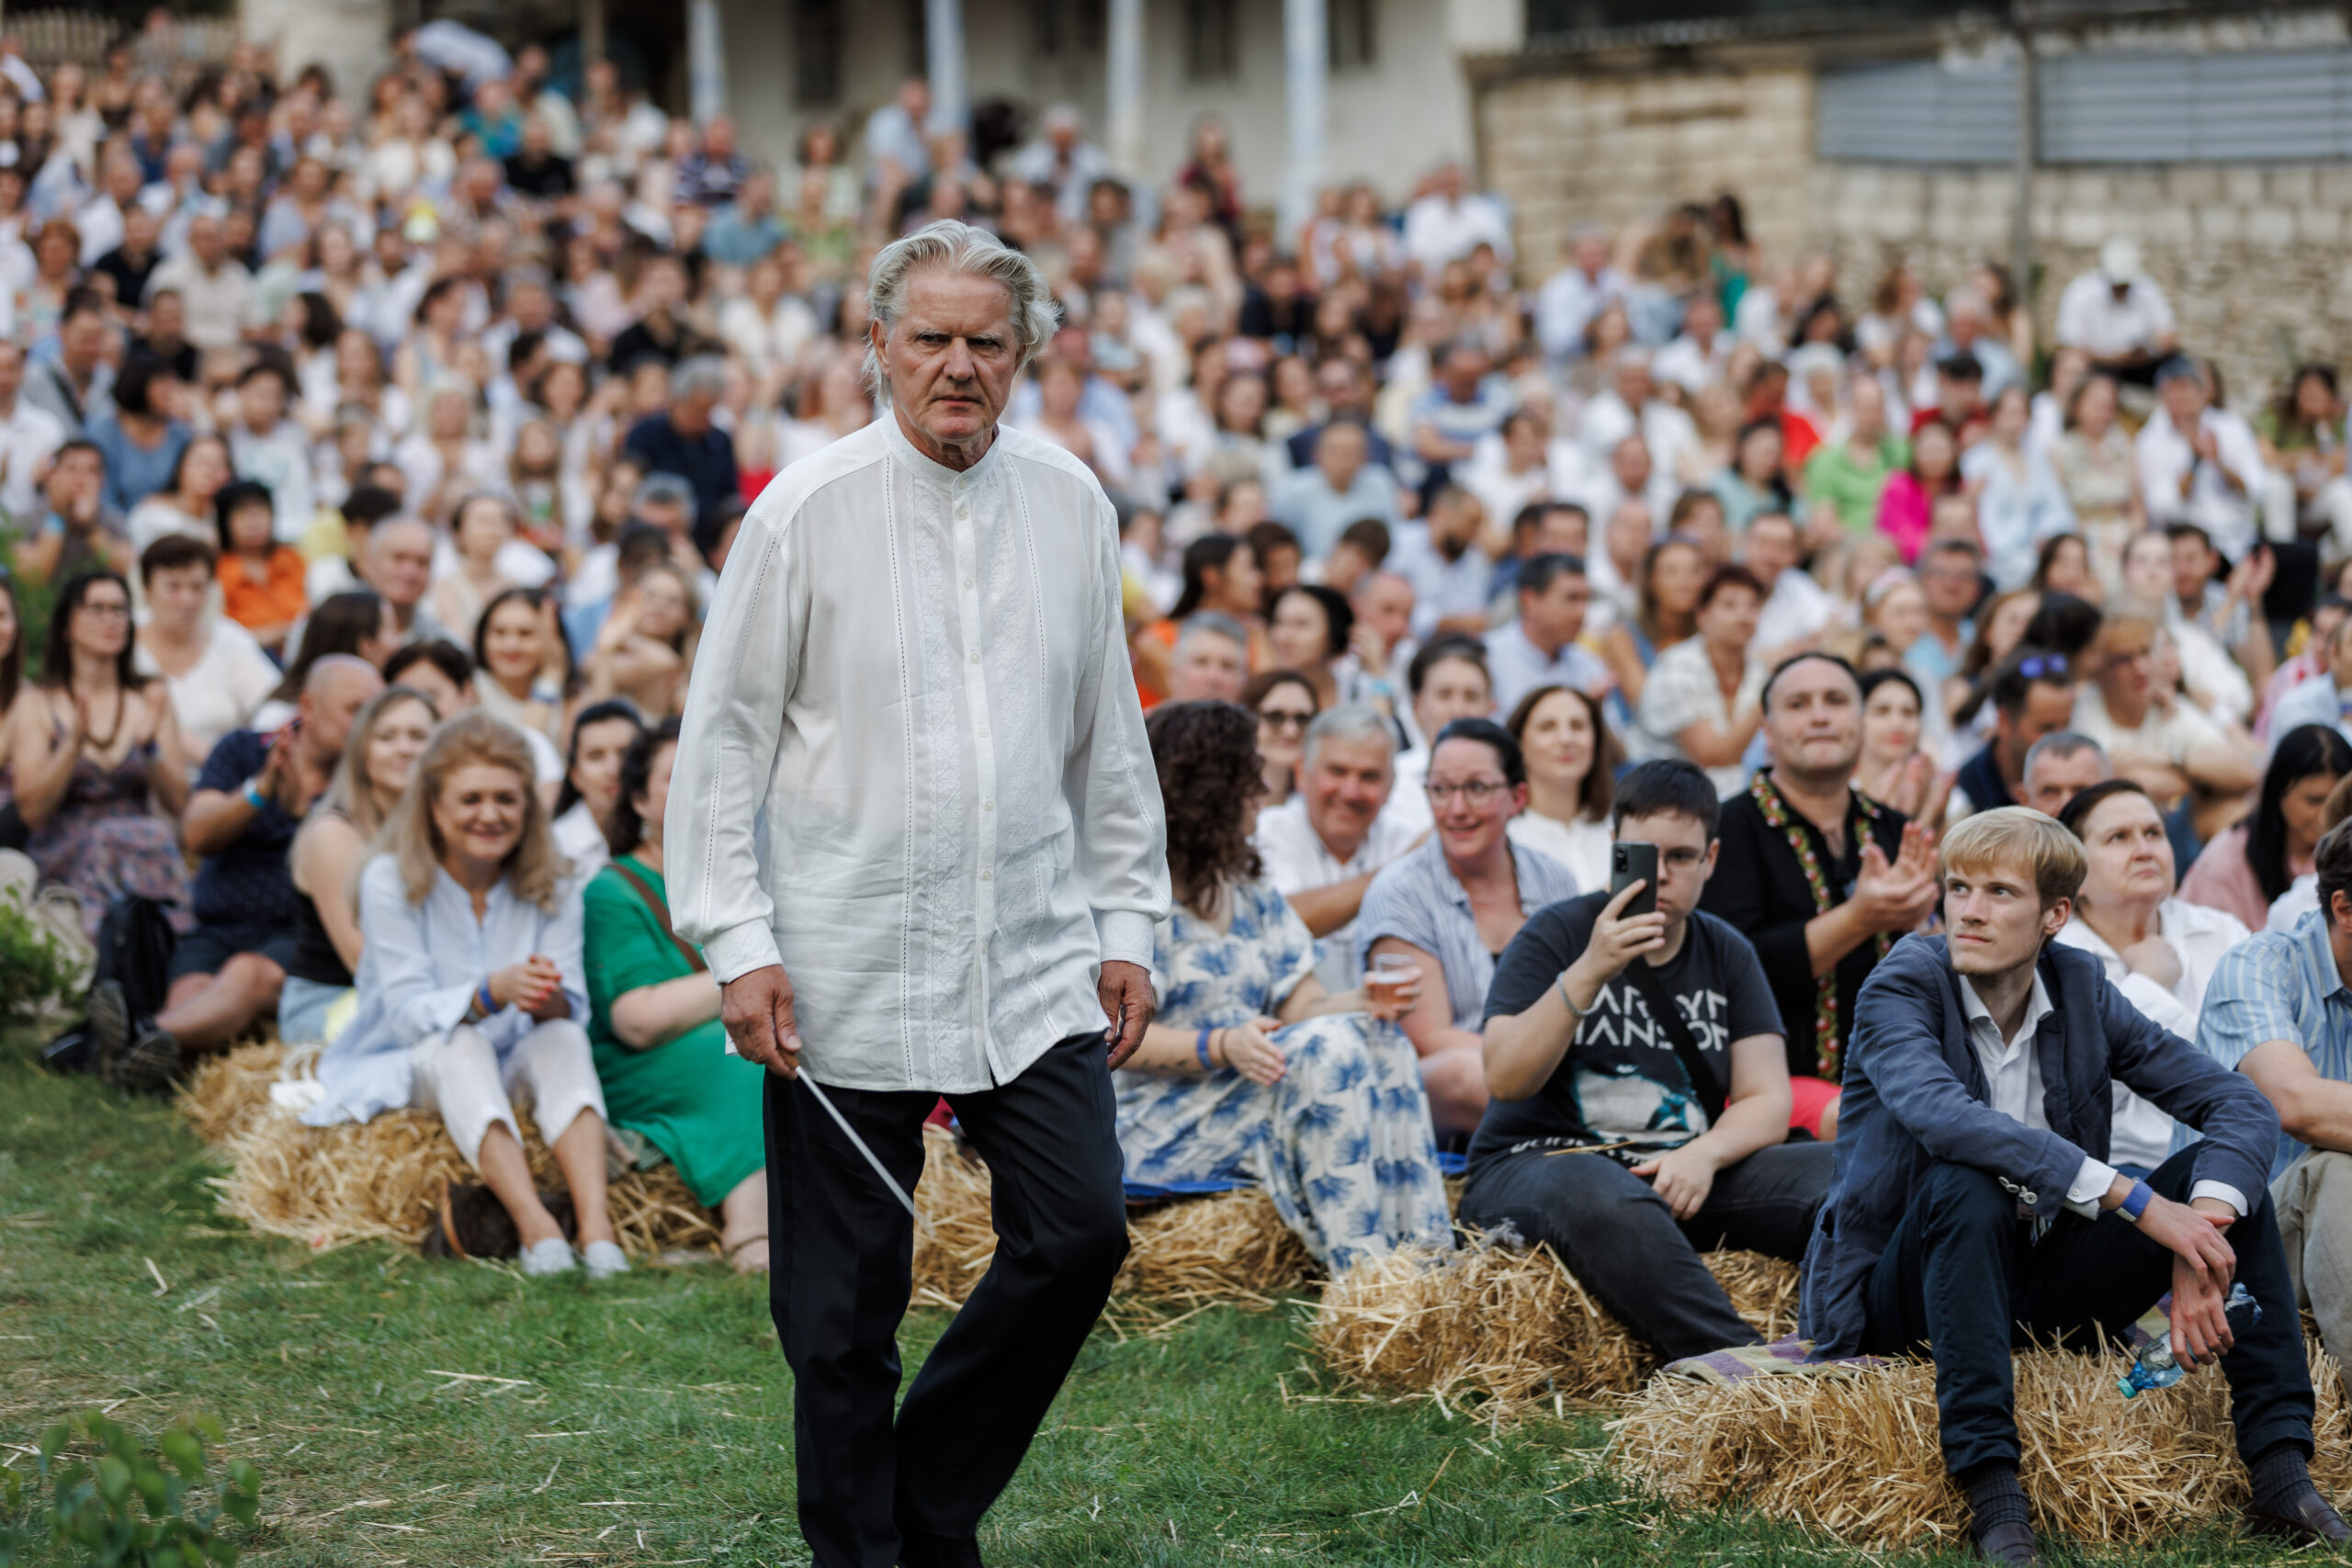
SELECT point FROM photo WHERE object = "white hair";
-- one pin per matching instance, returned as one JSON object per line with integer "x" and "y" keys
{"x": 959, "y": 247}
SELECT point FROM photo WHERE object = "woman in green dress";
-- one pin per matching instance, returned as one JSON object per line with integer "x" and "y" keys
{"x": 653, "y": 1020}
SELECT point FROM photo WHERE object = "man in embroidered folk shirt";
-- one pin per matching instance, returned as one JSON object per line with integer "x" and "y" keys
{"x": 917, "y": 829}
{"x": 1819, "y": 877}
{"x": 1651, "y": 1041}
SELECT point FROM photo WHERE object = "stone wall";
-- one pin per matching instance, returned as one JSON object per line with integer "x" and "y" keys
{"x": 2253, "y": 254}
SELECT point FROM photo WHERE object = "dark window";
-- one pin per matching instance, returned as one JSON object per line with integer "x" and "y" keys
{"x": 918, "y": 38}
{"x": 817, "y": 53}
{"x": 1350, "y": 32}
{"x": 1212, "y": 40}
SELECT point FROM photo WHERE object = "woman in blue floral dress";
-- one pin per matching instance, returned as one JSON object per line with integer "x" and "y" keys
{"x": 1252, "y": 1070}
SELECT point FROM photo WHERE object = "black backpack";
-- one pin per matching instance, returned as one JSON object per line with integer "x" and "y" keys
{"x": 135, "y": 945}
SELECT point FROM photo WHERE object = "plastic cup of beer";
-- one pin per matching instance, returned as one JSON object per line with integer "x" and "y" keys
{"x": 1389, "y": 974}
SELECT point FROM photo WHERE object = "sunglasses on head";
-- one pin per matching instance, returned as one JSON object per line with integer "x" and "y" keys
{"x": 2043, "y": 664}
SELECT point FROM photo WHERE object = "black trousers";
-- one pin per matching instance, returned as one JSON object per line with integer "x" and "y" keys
{"x": 1622, "y": 1243}
{"x": 841, "y": 1256}
{"x": 1964, "y": 1277}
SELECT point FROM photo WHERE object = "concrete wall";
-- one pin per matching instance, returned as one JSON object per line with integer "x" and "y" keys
{"x": 2252, "y": 255}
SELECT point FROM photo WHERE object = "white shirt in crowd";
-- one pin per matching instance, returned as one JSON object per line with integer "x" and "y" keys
{"x": 1438, "y": 230}
{"x": 1441, "y": 587}
{"x": 1297, "y": 861}
{"x": 2090, "y": 318}
{"x": 581, "y": 839}
{"x": 222, "y": 691}
{"x": 2300, "y": 899}
{"x": 914, "y": 769}
{"x": 2315, "y": 701}
{"x": 1680, "y": 691}
{"x": 2143, "y": 1134}
{"x": 2013, "y": 1079}
{"x": 1797, "y": 608}
{"x": 2220, "y": 503}
{"x": 30, "y": 436}
{"x": 1582, "y": 845}
{"x": 2171, "y": 736}
{"x": 1568, "y": 302}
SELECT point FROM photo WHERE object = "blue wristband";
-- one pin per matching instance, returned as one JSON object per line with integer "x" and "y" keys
{"x": 1201, "y": 1049}
{"x": 483, "y": 999}
{"x": 2136, "y": 1203}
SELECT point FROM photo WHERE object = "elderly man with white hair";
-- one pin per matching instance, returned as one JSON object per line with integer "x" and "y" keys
{"x": 916, "y": 829}
{"x": 1632, "y": 407}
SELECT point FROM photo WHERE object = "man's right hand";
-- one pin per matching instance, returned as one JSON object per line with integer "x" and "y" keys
{"x": 1618, "y": 937}
{"x": 757, "y": 1010}
{"x": 1896, "y": 897}
{"x": 2203, "y": 1265}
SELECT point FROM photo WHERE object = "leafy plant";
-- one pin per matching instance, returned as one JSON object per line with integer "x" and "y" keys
{"x": 127, "y": 1508}
{"x": 35, "y": 968}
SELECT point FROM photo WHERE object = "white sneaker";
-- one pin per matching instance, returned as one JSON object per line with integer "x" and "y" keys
{"x": 605, "y": 1259}
{"x": 552, "y": 1256}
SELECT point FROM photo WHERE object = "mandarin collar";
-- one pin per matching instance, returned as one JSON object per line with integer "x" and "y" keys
{"x": 933, "y": 473}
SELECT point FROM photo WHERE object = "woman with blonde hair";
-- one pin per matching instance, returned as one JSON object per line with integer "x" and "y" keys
{"x": 378, "y": 760}
{"x": 470, "y": 986}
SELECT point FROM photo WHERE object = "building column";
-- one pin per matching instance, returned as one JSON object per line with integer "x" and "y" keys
{"x": 1122, "y": 88}
{"x": 591, "y": 32}
{"x": 951, "y": 108}
{"x": 705, "y": 62}
{"x": 1306, "y": 67}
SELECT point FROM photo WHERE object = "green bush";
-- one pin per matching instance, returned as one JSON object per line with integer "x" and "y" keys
{"x": 127, "y": 1508}
{"x": 35, "y": 970}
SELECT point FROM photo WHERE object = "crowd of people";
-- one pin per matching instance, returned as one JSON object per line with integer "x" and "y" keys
{"x": 378, "y": 446}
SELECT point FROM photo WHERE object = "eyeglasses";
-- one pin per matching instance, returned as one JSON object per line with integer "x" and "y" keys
{"x": 2043, "y": 664}
{"x": 1275, "y": 718}
{"x": 101, "y": 608}
{"x": 1478, "y": 792}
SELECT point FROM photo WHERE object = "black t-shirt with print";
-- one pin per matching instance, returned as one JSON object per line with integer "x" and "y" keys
{"x": 1621, "y": 1079}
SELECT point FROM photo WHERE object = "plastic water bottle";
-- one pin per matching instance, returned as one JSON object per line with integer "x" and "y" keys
{"x": 2156, "y": 1367}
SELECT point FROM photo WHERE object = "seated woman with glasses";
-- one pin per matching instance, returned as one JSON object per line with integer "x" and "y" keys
{"x": 94, "y": 752}
{"x": 1451, "y": 905}
{"x": 1252, "y": 1070}
{"x": 1286, "y": 703}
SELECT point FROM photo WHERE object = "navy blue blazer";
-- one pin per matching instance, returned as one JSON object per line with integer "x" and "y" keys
{"x": 1915, "y": 1096}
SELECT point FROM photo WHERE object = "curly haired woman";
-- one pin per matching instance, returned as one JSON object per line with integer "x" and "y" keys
{"x": 1252, "y": 1070}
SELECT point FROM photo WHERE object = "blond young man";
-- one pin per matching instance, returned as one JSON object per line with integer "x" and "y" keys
{"x": 1974, "y": 1206}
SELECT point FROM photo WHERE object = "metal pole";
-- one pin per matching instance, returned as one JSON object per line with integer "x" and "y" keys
{"x": 944, "y": 43}
{"x": 2028, "y": 155}
{"x": 1123, "y": 87}
{"x": 706, "y": 62}
{"x": 1305, "y": 63}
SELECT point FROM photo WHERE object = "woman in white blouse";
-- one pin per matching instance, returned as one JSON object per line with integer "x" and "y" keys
{"x": 1572, "y": 761}
{"x": 2159, "y": 951}
{"x": 592, "y": 782}
{"x": 217, "y": 674}
{"x": 471, "y": 988}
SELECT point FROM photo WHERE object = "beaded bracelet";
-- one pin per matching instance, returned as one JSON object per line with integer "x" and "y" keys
{"x": 1200, "y": 1048}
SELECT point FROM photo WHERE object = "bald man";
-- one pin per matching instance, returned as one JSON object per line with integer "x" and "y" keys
{"x": 248, "y": 800}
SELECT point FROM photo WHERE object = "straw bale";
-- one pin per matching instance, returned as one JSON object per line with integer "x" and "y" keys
{"x": 328, "y": 1186}
{"x": 226, "y": 1093}
{"x": 1507, "y": 1325}
{"x": 1856, "y": 1454}
{"x": 1230, "y": 1246}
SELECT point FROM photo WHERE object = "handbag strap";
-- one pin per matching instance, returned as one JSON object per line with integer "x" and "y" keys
{"x": 661, "y": 913}
{"x": 1703, "y": 1082}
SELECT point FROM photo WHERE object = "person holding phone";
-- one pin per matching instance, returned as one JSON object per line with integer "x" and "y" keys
{"x": 1639, "y": 1088}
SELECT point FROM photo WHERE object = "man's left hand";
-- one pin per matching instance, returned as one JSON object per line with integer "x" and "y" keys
{"x": 1682, "y": 1177}
{"x": 1125, "y": 991}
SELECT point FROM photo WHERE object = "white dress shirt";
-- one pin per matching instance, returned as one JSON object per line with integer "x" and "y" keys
{"x": 914, "y": 769}
{"x": 2091, "y": 318}
{"x": 2013, "y": 1082}
{"x": 2142, "y": 1135}
{"x": 1296, "y": 861}
{"x": 2221, "y": 503}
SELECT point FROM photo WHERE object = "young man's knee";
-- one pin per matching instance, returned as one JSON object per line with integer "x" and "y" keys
{"x": 257, "y": 978}
{"x": 1963, "y": 1194}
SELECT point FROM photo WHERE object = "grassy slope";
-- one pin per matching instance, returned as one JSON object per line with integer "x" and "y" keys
{"x": 664, "y": 1398}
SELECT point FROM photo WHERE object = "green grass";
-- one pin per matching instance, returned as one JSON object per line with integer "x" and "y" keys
{"x": 650, "y": 1419}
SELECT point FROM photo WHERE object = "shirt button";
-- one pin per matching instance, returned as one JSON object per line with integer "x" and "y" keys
{"x": 968, "y": 582}
{"x": 976, "y": 659}
{"x": 984, "y": 875}
{"x": 988, "y": 806}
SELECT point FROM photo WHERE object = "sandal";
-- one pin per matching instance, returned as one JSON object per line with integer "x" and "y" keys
{"x": 733, "y": 1255}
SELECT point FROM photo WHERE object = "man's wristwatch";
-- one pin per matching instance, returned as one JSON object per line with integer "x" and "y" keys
{"x": 2136, "y": 1203}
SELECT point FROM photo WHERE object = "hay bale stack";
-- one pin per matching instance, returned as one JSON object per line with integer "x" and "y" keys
{"x": 1857, "y": 1455}
{"x": 227, "y": 1093}
{"x": 1230, "y": 1246}
{"x": 1507, "y": 1326}
{"x": 381, "y": 1180}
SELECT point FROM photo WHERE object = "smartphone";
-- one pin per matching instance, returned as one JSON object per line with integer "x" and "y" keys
{"x": 1629, "y": 863}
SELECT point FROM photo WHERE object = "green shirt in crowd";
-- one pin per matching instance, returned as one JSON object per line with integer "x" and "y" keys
{"x": 1832, "y": 474}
